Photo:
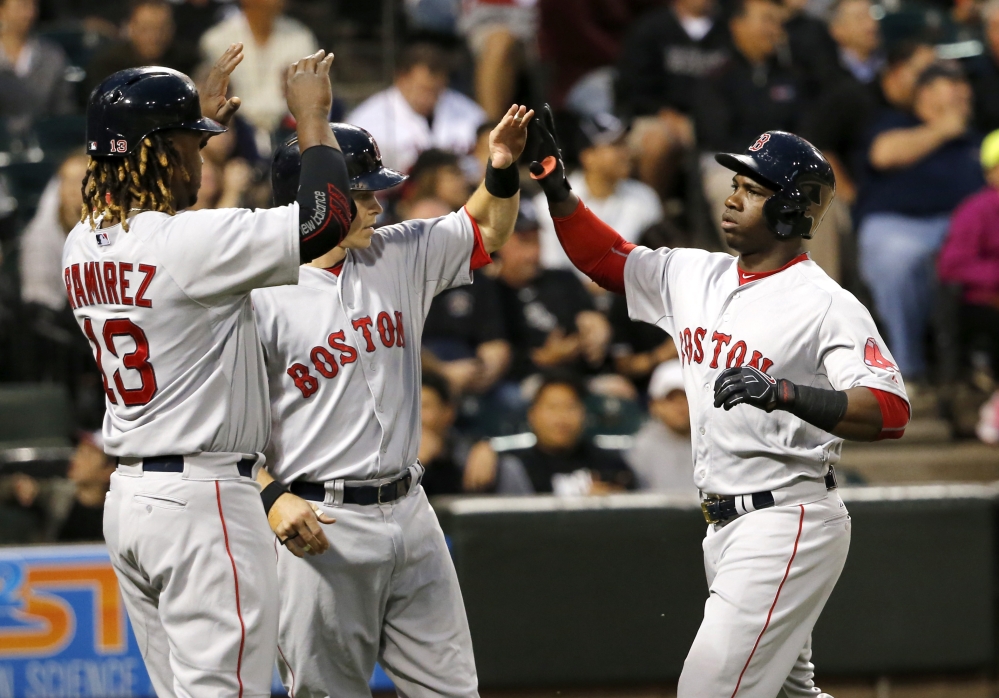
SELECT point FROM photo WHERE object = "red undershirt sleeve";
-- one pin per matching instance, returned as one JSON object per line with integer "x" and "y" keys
{"x": 480, "y": 257}
{"x": 594, "y": 247}
{"x": 894, "y": 414}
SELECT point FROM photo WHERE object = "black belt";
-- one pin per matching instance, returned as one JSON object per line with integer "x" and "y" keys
{"x": 722, "y": 508}
{"x": 357, "y": 494}
{"x": 175, "y": 464}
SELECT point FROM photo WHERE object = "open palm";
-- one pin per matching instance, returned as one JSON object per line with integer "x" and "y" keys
{"x": 507, "y": 140}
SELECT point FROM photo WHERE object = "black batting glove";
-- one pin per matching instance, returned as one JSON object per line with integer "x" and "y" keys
{"x": 752, "y": 386}
{"x": 547, "y": 166}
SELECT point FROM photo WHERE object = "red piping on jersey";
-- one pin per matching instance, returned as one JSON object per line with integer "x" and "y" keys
{"x": 480, "y": 257}
{"x": 235, "y": 576}
{"x": 895, "y": 413}
{"x": 291, "y": 691}
{"x": 594, "y": 247}
{"x": 794, "y": 552}
{"x": 746, "y": 276}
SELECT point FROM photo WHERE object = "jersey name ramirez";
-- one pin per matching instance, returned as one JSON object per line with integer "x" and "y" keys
{"x": 108, "y": 283}
{"x": 694, "y": 348}
{"x": 385, "y": 331}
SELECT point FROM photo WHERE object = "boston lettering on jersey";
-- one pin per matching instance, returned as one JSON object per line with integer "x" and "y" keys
{"x": 694, "y": 349}
{"x": 390, "y": 331}
{"x": 108, "y": 283}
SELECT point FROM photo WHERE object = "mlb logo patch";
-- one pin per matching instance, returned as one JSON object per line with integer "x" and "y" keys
{"x": 102, "y": 239}
{"x": 92, "y": 145}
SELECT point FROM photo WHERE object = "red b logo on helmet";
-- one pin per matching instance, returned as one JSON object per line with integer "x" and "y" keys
{"x": 760, "y": 142}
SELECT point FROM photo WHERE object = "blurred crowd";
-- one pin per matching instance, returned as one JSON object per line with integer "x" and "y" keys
{"x": 534, "y": 379}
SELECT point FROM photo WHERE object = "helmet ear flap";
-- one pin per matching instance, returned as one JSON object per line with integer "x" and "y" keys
{"x": 785, "y": 214}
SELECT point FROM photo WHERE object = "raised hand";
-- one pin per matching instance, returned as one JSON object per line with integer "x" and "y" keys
{"x": 507, "y": 140}
{"x": 308, "y": 86}
{"x": 214, "y": 103}
{"x": 547, "y": 166}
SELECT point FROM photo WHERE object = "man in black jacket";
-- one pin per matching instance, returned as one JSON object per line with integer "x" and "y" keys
{"x": 752, "y": 92}
{"x": 666, "y": 55}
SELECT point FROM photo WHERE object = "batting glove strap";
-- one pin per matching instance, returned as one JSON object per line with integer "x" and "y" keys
{"x": 745, "y": 384}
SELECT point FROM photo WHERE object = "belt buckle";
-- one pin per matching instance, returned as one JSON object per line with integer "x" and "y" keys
{"x": 708, "y": 516}
{"x": 379, "y": 497}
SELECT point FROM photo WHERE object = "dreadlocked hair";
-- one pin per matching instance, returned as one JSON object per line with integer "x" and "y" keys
{"x": 114, "y": 186}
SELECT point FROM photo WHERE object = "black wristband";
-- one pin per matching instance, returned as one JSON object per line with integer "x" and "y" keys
{"x": 502, "y": 183}
{"x": 821, "y": 408}
{"x": 270, "y": 494}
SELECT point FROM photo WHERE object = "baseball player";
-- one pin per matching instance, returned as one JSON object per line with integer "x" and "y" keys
{"x": 343, "y": 364}
{"x": 163, "y": 297}
{"x": 780, "y": 365}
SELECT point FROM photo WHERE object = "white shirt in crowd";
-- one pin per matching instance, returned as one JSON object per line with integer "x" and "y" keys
{"x": 402, "y": 134}
{"x": 661, "y": 459}
{"x": 41, "y": 253}
{"x": 259, "y": 79}
{"x": 631, "y": 209}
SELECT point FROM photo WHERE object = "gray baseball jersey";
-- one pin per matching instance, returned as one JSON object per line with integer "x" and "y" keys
{"x": 343, "y": 351}
{"x": 796, "y": 324}
{"x": 166, "y": 309}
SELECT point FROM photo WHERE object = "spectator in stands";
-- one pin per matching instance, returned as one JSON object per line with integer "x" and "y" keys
{"x": 419, "y": 111}
{"x": 920, "y": 165}
{"x": 626, "y": 205}
{"x": 812, "y": 50}
{"x": 838, "y": 121}
{"x": 637, "y": 347}
{"x": 148, "y": 40}
{"x": 90, "y": 471}
{"x": 464, "y": 338}
{"x": 57, "y": 350}
{"x": 550, "y": 318}
{"x": 580, "y": 41}
{"x": 192, "y": 19}
{"x": 983, "y": 72}
{"x": 503, "y": 38}
{"x": 970, "y": 258}
{"x": 439, "y": 446}
{"x": 32, "y": 70}
{"x": 271, "y": 42}
{"x": 666, "y": 56}
{"x": 661, "y": 456}
{"x": 752, "y": 92}
{"x": 436, "y": 174}
{"x": 561, "y": 461}
{"x": 44, "y": 237}
{"x": 67, "y": 509}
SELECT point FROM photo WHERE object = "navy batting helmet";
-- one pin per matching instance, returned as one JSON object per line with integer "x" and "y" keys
{"x": 131, "y": 104}
{"x": 802, "y": 178}
{"x": 364, "y": 164}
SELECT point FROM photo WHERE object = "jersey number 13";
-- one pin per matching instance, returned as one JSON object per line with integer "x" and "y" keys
{"x": 136, "y": 360}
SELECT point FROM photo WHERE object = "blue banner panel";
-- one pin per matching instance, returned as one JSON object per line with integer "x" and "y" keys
{"x": 64, "y": 632}
{"x": 63, "y": 628}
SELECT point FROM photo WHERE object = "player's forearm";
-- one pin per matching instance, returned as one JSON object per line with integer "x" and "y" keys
{"x": 862, "y": 420}
{"x": 592, "y": 246}
{"x": 495, "y": 215}
{"x": 323, "y": 200}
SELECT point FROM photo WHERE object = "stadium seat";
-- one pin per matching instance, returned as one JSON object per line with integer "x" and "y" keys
{"x": 58, "y": 135}
{"x": 27, "y": 181}
{"x": 34, "y": 415}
